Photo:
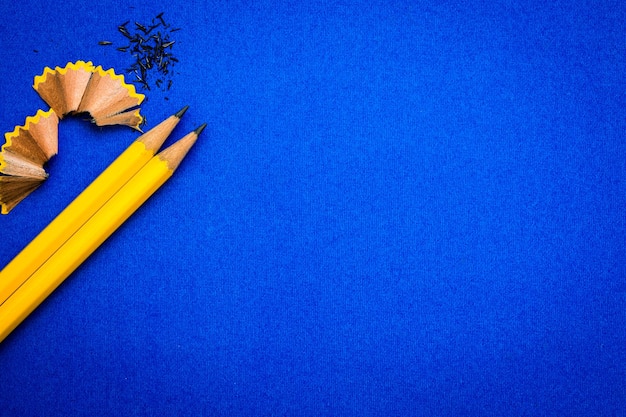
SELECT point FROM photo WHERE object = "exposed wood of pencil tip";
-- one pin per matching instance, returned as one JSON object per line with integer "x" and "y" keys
{"x": 176, "y": 152}
{"x": 154, "y": 138}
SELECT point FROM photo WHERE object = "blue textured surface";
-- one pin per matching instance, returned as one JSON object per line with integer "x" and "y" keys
{"x": 396, "y": 209}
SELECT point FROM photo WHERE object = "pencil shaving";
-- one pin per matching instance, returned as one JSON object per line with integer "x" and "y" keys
{"x": 13, "y": 190}
{"x": 22, "y": 156}
{"x": 62, "y": 88}
{"x": 81, "y": 87}
{"x": 128, "y": 118}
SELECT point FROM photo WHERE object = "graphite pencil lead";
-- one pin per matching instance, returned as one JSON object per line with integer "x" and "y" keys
{"x": 200, "y": 129}
{"x": 181, "y": 112}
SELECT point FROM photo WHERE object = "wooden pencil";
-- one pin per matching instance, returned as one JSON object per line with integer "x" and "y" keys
{"x": 92, "y": 234}
{"x": 85, "y": 205}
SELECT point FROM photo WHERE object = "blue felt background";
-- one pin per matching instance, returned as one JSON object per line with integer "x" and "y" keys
{"x": 398, "y": 208}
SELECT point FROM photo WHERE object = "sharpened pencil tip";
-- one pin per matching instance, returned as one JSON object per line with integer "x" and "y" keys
{"x": 200, "y": 129}
{"x": 181, "y": 112}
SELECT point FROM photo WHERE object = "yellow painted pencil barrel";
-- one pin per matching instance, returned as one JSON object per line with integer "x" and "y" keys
{"x": 91, "y": 234}
{"x": 84, "y": 206}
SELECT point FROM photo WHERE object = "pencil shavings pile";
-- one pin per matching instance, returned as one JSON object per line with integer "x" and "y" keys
{"x": 83, "y": 88}
{"x": 77, "y": 88}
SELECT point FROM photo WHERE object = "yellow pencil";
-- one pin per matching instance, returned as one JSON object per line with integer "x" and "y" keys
{"x": 91, "y": 235}
{"x": 85, "y": 205}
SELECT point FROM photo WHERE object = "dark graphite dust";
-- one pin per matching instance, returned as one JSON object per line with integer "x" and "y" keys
{"x": 150, "y": 46}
